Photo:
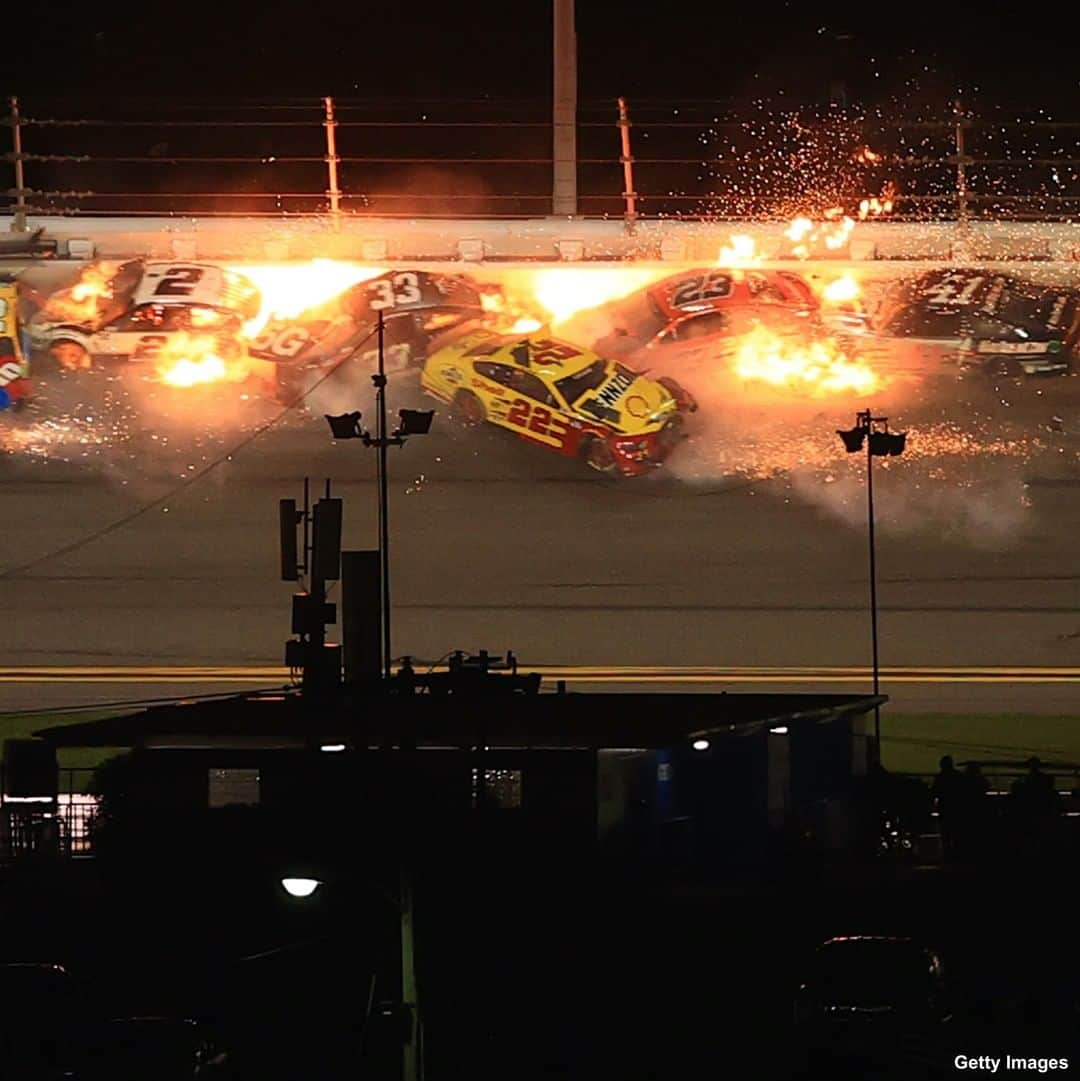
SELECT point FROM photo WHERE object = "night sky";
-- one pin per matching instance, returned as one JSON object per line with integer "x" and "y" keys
{"x": 200, "y": 50}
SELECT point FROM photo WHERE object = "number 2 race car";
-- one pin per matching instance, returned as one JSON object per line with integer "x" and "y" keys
{"x": 140, "y": 309}
{"x": 561, "y": 397}
{"x": 416, "y": 306}
{"x": 14, "y": 367}
{"x": 978, "y": 319}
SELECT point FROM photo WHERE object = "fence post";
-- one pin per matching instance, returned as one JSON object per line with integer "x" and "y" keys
{"x": 564, "y": 195}
{"x": 330, "y": 124}
{"x": 627, "y": 159}
{"x": 961, "y": 162}
{"x": 19, "y": 223}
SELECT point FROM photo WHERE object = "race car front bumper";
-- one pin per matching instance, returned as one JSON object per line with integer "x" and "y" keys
{"x": 636, "y": 455}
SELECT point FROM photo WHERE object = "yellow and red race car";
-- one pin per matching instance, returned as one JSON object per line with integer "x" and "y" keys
{"x": 559, "y": 396}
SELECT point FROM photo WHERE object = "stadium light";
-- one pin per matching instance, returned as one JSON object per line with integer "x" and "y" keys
{"x": 700, "y": 744}
{"x": 300, "y": 887}
{"x": 345, "y": 426}
{"x": 873, "y": 432}
{"x": 410, "y": 422}
{"x": 414, "y": 421}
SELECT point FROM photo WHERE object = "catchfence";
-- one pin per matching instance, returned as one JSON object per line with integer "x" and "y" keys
{"x": 484, "y": 159}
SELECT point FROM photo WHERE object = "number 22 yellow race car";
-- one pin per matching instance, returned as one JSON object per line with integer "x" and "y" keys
{"x": 559, "y": 396}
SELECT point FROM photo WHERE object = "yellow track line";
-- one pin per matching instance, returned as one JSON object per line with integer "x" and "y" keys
{"x": 214, "y": 674}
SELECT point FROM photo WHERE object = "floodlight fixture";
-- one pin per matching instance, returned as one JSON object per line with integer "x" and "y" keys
{"x": 415, "y": 421}
{"x": 853, "y": 438}
{"x": 300, "y": 887}
{"x": 345, "y": 426}
{"x": 700, "y": 745}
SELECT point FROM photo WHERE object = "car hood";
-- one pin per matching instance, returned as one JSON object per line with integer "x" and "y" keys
{"x": 629, "y": 402}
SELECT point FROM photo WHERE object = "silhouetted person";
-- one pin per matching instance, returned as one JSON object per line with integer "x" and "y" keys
{"x": 1033, "y": 805}
{"x": 975, "y": 813}
{"x": 948, "y": 791}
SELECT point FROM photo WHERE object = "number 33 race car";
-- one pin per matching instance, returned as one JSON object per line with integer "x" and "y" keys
{"x": 561, "y": 397}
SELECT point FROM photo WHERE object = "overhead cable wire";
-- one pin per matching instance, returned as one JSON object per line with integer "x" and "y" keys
{"x": 184, "y": 484}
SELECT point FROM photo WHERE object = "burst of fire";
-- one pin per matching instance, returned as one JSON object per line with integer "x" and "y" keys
{"x": 741, "y": 252}
{"x": 512, "y": 319}
{"x": 564, "y": 291}
{"x": 866, "y": 156}
{"x": 819, "y": 367}
{"x": 191, "y": 359}
{"x": 842, "y": 290}
{"x": 878, "y": 206}
{"x": 81, "y": 303}
{"x": 288, "y": 289}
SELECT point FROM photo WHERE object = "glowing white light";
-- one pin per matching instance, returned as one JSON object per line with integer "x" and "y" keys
{"x": 780, "y": 730}
{"x": 700, "y": 744}
{"x": 300, "y": 887}
{"x": 331, "y": 748}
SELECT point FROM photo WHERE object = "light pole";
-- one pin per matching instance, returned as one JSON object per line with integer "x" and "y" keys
{"x": 880, "y": 442}
{"x": 411, "y": 422}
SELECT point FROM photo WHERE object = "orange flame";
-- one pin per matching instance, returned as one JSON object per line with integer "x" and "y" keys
{"x": 80, "y": 303}
{"x": 190, "y": 359}
{"x": 819, "y": 367}
{"x": 564, "y": 291}
{"x": 865, "y": 156}
{"x": 877, "y": 206}
{"x": 741, "y": 252}
{"x": 842, "y": 290}
{"x": 288, "y": 289}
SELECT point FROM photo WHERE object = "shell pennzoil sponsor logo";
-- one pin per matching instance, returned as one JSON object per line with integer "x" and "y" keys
{"x": 614, "y": 389}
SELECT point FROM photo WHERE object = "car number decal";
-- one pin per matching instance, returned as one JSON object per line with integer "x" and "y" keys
{"x": 149, "y": 346}
{"x": 712, "y": 286}
{"x": 404, "y": 288}
{"x": 178, "y": 281}
{"x": 538, "y": 421}
{"x": 554, "y": 352}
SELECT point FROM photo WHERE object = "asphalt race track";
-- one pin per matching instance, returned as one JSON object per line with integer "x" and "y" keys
{"x": 750, "y": 549}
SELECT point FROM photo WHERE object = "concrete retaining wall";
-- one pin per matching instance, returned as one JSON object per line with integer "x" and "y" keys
{"x": 378, "y": 240}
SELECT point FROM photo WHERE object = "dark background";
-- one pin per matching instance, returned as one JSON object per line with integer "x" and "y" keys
{"x": 752, "y": 110}
{"x": 642, "y": 49}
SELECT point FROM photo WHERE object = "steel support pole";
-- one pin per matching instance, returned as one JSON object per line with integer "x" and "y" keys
{"x": 873, "y": 583}
{"x": 18, "y": 225}
{"x": 564, "y": 198}
{"x": 384, "y": 498}
{"x": 332, "y": 159}
{"x": 627, "y": 159}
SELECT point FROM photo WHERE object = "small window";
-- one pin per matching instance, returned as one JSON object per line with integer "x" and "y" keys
{"x": 497, "y": 373}
{"x": 532, "y": 387}
{"x": 229, "y": 787}
{"x": 499, "y": 789}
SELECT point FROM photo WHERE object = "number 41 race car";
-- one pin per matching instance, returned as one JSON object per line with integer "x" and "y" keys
{"x": 561, "y": 397}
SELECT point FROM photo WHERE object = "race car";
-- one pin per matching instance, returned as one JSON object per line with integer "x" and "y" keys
{"x": 134, "y": 311}
{"x": 978, "y": 319}
{"x": 416, "y": 306}
{"x": 695, "y": 317}
{"x": 14, "y": 366}
{"x": 561, "y": 397}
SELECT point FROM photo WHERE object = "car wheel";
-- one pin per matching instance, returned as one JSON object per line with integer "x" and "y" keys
{"x": 599, "y": 456}
{"x": 468, "y": 409}
{"x": 70, "y": 355}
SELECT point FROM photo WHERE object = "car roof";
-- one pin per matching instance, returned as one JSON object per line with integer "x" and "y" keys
{"x": 744, "y": 285}
{"x": 216, "y": 286}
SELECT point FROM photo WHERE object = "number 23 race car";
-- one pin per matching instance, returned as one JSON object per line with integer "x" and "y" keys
{"x": 561, "y": 397}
